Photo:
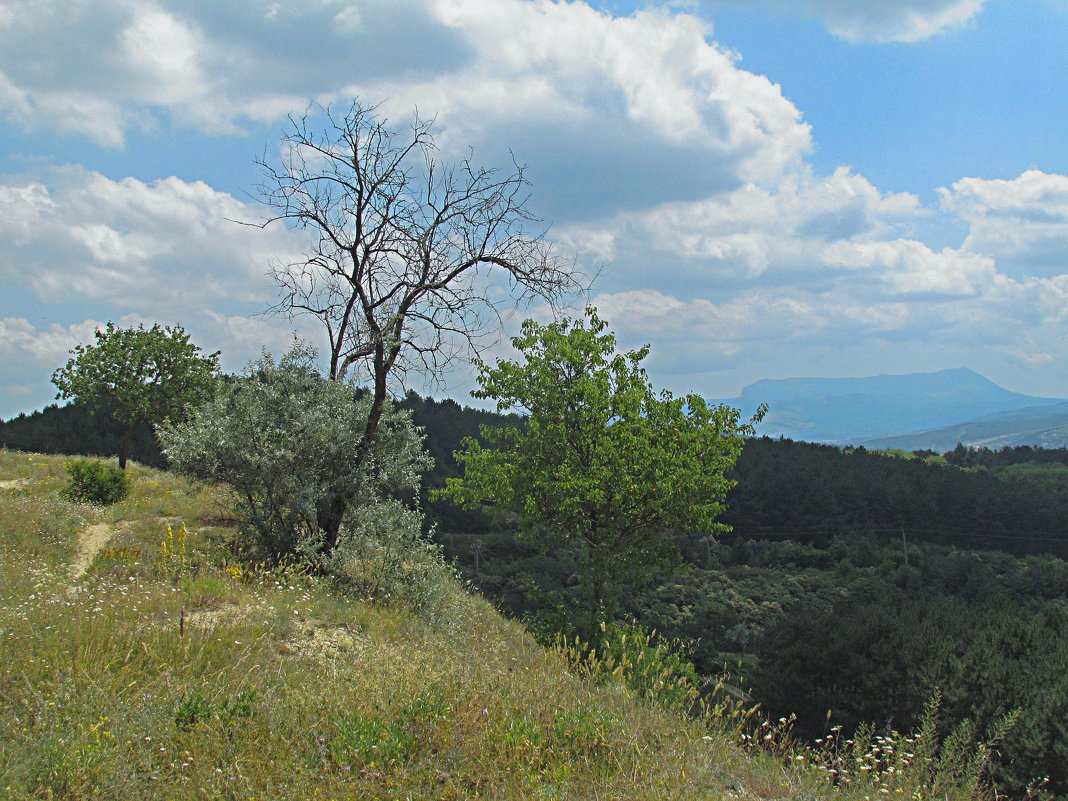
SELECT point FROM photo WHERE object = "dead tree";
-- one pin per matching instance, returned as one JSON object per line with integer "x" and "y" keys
{"x": 411, "y": 256}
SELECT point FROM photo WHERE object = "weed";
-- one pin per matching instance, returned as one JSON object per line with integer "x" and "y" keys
{"x": 643, "y": 662}
{"x": 370, "y": 744}
{"x": 192, "y": 708}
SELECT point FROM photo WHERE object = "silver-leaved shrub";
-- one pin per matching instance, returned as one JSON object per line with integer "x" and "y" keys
{"x": 285, "y": 440}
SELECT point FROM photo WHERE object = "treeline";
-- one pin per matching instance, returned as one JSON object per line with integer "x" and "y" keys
{"x": 1014, "y": 500}
{"x": 77, "y": 430}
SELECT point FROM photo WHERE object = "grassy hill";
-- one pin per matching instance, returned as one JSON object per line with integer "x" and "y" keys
{"x": 140, "y": 664}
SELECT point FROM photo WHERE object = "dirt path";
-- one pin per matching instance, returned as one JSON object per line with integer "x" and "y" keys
{"x": 89, "y": 543}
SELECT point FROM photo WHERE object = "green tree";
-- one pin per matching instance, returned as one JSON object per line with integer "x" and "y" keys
{"x": 602, "y": 464}
{"x": 142, "y": 375}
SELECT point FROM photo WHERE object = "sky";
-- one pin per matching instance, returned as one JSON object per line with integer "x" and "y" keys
{"x": 765, "y": 188}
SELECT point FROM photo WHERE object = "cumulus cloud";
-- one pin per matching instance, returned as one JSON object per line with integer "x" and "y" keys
{"x": 99, "y": 67}
{"x": 73, "y": 233}
{"x": 1023, "y": 222}
{"x": 752, "y": 233}
{"x": 608, "y": 109}
{"x": 50, "y": 345}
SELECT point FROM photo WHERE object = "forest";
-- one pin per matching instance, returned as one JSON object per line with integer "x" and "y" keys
{"x": 853, "y": 585}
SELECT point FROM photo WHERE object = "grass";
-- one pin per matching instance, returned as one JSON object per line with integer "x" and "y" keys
{"x": 181, "y": 673}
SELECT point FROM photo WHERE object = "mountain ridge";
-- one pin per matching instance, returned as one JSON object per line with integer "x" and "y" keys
{"x": 881, "y": 410}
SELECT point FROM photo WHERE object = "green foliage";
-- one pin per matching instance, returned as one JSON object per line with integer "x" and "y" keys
{"x": 154, "y": 375}
{"x": 369, "y": 744}
{"x": 192, "y": 708}
{"x": 811, "y": 493}
{"x": 95, "y": 482}
{"x": 602, "y": 463}
{"x": 878, "y": 652}
{"x": 286, "y": 441}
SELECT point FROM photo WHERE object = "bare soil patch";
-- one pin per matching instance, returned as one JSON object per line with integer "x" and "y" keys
{"x": 89, "y": 544}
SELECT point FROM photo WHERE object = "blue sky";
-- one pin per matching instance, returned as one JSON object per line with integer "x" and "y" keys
{"x": 770, "y": 188}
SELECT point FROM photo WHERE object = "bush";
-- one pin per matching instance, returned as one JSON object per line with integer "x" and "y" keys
{"x": 288, "y": 442}
{"x": 383, "y": 555}
{"x": 96, "y": 482}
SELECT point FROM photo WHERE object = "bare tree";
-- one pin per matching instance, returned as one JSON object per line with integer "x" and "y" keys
{"x": 407, "y": 250}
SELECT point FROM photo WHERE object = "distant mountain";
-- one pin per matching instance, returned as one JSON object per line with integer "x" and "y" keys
{"x": 882, "y": 408}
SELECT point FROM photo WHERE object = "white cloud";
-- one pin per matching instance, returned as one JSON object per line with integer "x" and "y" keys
{"x": 166, "y": 53}
{"x": 206, "y": 64}
{"x": 751, "y": 233}
{"x": 893, "y": 20}
{"x": 875, "y": 20}
{"x": 49, "y": 346}
{"x": 161, "y": 245}
{"x": 1022, "y": 222}
{"x": 908, "y": 267}
{"x": 610, "y": 110}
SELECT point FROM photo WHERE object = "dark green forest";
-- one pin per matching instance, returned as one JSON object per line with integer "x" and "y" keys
{"x": 854, "y": 582}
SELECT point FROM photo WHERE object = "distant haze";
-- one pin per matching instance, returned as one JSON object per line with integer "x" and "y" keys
{"x": 918, "y": 410}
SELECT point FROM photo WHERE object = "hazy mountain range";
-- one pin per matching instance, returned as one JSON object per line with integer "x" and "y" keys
{"x": 913, "y": 412}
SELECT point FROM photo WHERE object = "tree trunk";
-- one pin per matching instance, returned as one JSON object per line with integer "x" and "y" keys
{"x": 328, "y": 517}
{"x": 331, "y": 513}
{"x": 127, "y": 438}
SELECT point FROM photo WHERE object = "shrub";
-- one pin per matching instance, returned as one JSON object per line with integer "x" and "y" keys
{"x": 383, "y": 555}
{"x": 289, "y": 442}
{"x": 96, "y": 482}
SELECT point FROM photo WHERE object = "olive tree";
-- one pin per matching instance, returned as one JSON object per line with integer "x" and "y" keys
{"x": 142, "y": 375}
{"x": 603, "y": 463}
{"x": 284, "y": 439}
{"x": 407, "y": 251}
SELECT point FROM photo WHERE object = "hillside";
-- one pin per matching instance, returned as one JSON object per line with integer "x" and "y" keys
{"x": 142, "y": 660}
{"x": 130, "y": 675}
{"x": 856, "y": 410}
{"x": 1045, "y": 426}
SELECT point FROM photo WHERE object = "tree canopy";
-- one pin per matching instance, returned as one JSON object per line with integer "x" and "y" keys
{"x": 602, "y": 463}
{"x": 142, "y": 375}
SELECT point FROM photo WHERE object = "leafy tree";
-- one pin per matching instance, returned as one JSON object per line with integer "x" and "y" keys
{"x": 408, "y": 255}
{"x": 602, "y": 464}
{"x": 285, "y": 439}
{"x": 143, "y": 375}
